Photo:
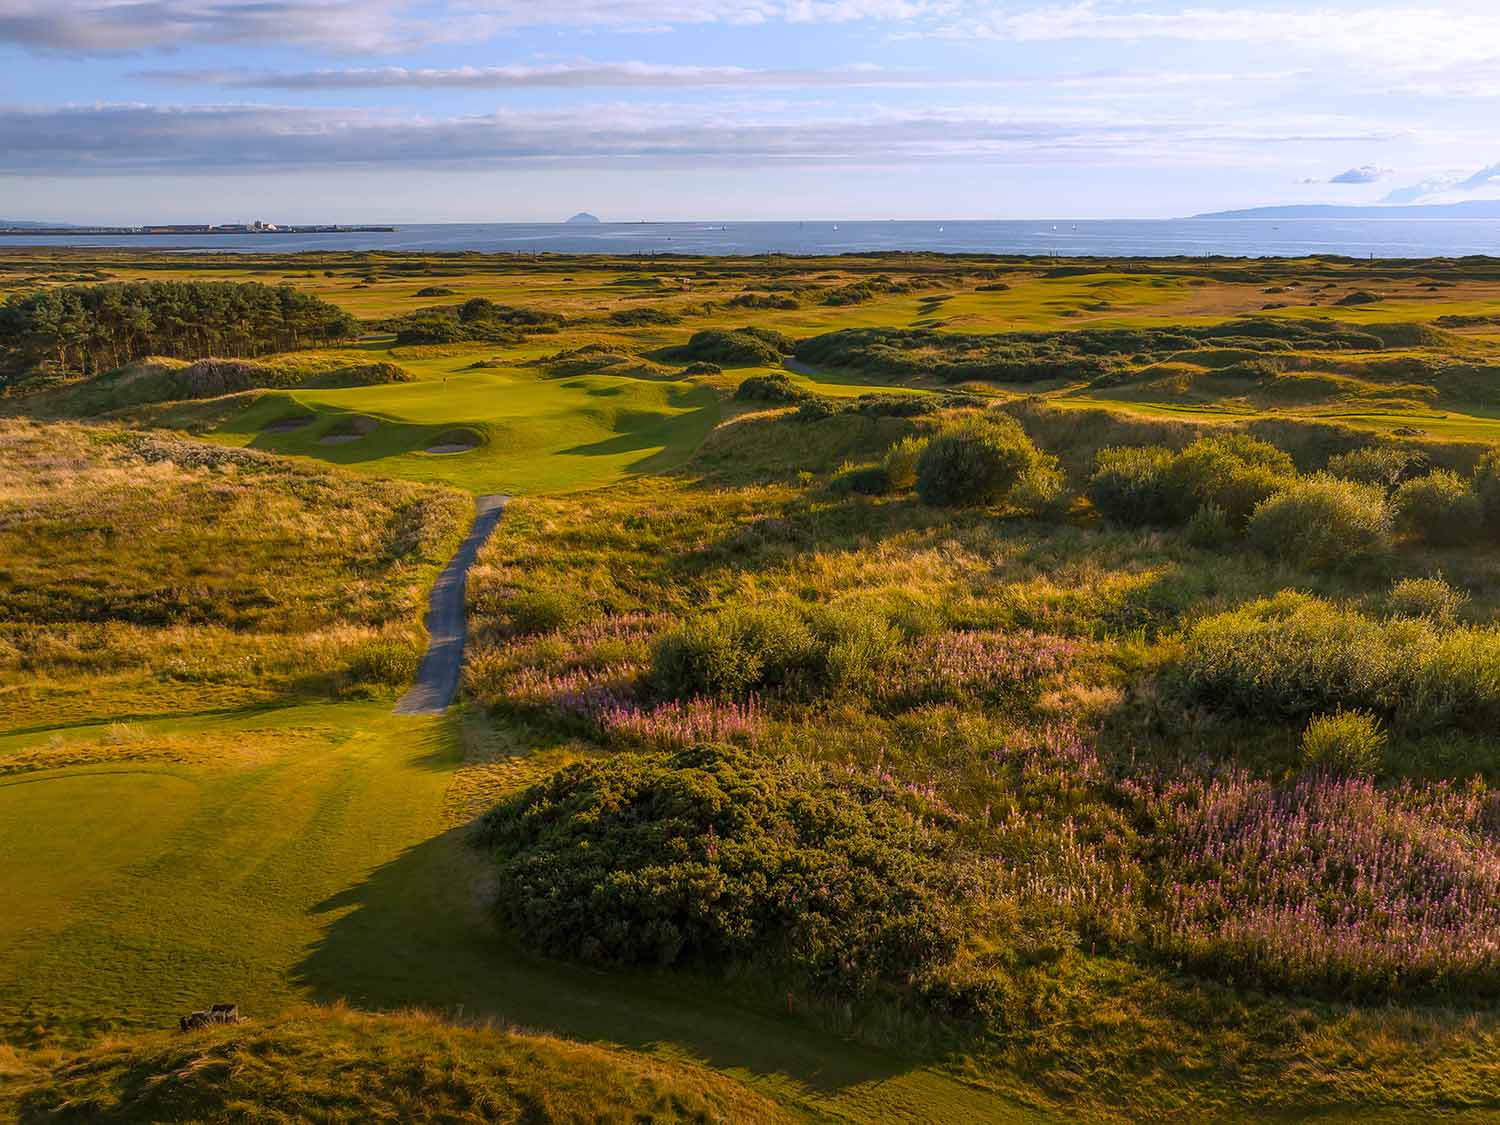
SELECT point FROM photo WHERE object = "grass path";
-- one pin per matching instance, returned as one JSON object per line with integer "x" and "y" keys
{"x": 318, "y": 861}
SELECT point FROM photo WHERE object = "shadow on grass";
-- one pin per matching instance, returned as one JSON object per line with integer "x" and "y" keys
{"x": 418, "y": 933}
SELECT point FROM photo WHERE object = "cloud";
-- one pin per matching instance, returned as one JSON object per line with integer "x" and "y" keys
{"x": 1414, "y": 34}
{"x": 1482, "y": 178}
{"x": 1365, "y": 174}
{"x": 1445, "y": 188}
{"x": 586, "y": 74}
{"x": 110, "y": 26}
{"x": 580, "y": 75}
{"x": 147, "y": 139}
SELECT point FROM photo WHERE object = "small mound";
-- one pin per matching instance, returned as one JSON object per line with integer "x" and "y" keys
{"x": 333, "y": 1064}
{"x": 455, "y": 441}
{"x": 349, "y": 429}
{"x": 289, "y": 425}
{"x": 360, "y": 375}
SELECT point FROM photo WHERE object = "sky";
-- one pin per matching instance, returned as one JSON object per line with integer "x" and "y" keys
{"x": 300, "y": 111}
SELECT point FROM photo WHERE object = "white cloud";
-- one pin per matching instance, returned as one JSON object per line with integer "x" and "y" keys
{"x": 153, "y": 139}
{"x": 1424, "y": 35}
{"x": 1365, "y": 174}
{"x": 112, "y": 26}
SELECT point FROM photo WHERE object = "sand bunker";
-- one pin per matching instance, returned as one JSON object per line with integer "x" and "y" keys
{"x": 351, "y": 429}
{"x": 455, "y": 441}
{"x": 288, "y": 425}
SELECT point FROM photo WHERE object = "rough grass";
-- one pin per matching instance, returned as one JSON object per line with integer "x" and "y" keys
{"x": 332, "y": 1064}
{"x": 142, "y": 568}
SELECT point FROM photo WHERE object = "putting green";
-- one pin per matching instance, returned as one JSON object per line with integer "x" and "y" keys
{"x": 534, "y": 434}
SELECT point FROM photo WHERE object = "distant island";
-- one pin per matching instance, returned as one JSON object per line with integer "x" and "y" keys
{"x": 583, "y": 218}
{"x": 1472, "y": 209}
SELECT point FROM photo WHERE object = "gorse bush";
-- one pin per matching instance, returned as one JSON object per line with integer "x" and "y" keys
{"x": 900, "y": 462}
{"x": 1043, "y": 490}
{"x": 1487, "y": 488}
{"x": 739, "y": 347}
{"x": 975, "y": 461}
{"x": 734, "y": 653}
{"x": 1431, "y": 598}
{"x": 530, "y": 612}
{"x": 1323, "y": 523}
{"x": 1130, "y": 485}
{"x": 713, "y": 857}
{"x": 1151, "y": 485}
{"x": 775, "y": 387}
{"x": 1383, "y": 465}
{"x": 1232, "y": 472}
{"x": 1346, "y": 743}
{"x": 1440, "y": 509}
{"x": 1292, "y": 656}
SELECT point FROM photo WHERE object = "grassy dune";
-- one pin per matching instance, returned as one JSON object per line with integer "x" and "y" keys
{"x": 204, "y": 795}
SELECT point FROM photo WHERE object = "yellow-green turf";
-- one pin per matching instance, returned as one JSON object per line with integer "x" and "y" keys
{"x": 535, "y": 434}
{"x": 308, "y": 852}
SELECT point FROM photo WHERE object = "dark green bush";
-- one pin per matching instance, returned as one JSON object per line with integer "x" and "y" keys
{"x": 1487, "y": 488}
{"x": 1292, "y": 656}
{"x": 1232, "y": 472}
{"x": 1440, "y": 509}
{"x": 1430, "y": 598}
{"x": 1323, "y": 523}
{"x": 735, "y": 653}
{"x": 1383, "y": 465}
{"x": 739, "y": 347}
{"x": 868, "y": 480}
{"x": 529, "y": 612}
{"x": 714, "y": 857}
{"x": 775, "y": 387}
{"x": 1131, "y": 484}
{"x": 387, "y": 663}
{"x": 974, "y": 461}
{"x": 643, "y": 316}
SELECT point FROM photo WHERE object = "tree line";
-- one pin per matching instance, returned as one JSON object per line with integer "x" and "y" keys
{"x": 93, "y": 328}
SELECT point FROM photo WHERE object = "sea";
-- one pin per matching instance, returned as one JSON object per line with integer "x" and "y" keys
{"x": 1240, "y": 238}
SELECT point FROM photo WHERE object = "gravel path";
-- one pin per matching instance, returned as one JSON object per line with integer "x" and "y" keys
{"x": 437, "y": 678}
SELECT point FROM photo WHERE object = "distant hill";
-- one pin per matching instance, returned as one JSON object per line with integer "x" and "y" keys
{"x": 1472, "y": 209}
{"x": 18, "y": 224}
{"x": 583, "y": 218}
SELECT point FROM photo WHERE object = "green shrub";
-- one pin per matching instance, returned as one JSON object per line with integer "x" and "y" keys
{"x": 1383, "y": 465}
{"x": 1487, "y": 488}
{"x": 1345, "y": 742}
{"x": 735, "y": 653}
{"x": 1209, "y": 528}
{"x": 1043, "y": 490}
{"x": 389, "y": 663}
{"x": 740, "y": 346}
{"x": 1292, "y": 656}
{"x": 976, "y": 461}
{"x": 714, "y": 857}
{"x": 775, "y": 387}
{"x": 866, "y": 480}
{"x": 1323, "y": 523}
{"x": 1131, "y": 485}
{"x": 530, "y": 612}
{"x": 1233, "y": 472}
{"x": 855, "y": 645}
{"x": 1439, "y": 508}
{"x": 900, "y": 462}
{"x": 1431, "y": 598}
